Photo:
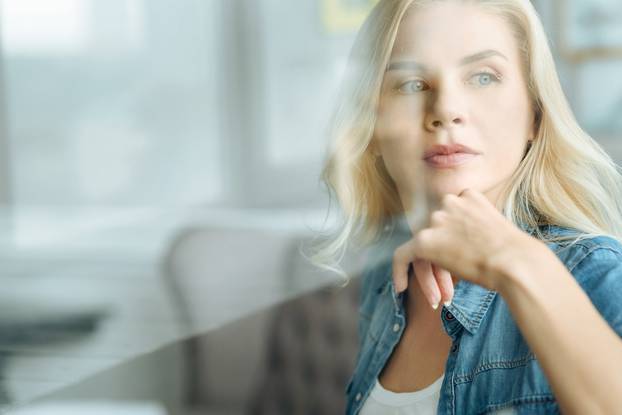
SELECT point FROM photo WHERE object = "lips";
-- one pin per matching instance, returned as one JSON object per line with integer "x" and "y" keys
{"x": 440, "y": 156}
{"x": 448, "y": 149}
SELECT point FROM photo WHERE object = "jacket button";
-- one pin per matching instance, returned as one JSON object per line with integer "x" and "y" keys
{"x": 358, "y": 396}
{"x": 449, "y": 316}
{"x": 396, "y": 327}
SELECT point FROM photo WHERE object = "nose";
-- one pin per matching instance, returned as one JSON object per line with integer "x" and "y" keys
{"x": 444, "y": 111}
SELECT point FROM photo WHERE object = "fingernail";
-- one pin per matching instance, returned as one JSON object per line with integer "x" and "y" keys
{"x": 447, "y": 303}
{"x": 435, "y": 305}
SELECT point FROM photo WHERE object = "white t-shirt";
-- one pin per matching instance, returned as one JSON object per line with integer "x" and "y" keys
{"x": 385, "y": 402}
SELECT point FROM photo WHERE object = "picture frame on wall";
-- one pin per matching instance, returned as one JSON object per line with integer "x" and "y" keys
{"x": 589, "y": 29}
{"x": 345, "y": 16}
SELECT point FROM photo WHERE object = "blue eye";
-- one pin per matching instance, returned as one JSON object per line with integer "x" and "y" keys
{"x": 486, "y": 78}
{"x": 410, "y": 87}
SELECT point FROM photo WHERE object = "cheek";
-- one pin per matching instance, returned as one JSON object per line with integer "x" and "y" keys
{"x": 506, "y": 126}
{"x": 513, "y": 111}
{"x": 398, "y": 134}
{"x": 398, "y": 125}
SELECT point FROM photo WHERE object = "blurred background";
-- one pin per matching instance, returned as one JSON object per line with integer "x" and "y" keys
{"x": 160, "y": 167}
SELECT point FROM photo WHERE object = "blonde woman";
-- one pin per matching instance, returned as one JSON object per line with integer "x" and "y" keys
{"x": 521, "y": 247}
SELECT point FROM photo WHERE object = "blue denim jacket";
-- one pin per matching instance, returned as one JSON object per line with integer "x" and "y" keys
{"x": 490, "y": 368}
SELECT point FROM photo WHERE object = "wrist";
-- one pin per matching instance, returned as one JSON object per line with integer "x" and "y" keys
{"x": 510, "y": 266}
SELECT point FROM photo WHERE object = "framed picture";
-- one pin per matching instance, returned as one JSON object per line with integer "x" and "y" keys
{"x": 589, "y": 29}
{"x": 345, "y": 15}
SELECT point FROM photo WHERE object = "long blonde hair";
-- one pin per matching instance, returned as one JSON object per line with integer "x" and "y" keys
{"x": 565, "y": 178}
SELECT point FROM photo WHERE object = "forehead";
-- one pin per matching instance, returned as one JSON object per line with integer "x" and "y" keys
{"x": 447, "y": 31}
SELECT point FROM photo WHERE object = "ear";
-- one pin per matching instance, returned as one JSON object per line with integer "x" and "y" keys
{"x": 537, "y": 119}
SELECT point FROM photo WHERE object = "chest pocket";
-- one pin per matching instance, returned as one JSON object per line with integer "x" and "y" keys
{"x": 516, "y": 387}
{"x": 496, "y": 372}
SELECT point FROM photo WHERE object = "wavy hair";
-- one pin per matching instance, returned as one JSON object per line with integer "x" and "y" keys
{"x": 564, "y": 179}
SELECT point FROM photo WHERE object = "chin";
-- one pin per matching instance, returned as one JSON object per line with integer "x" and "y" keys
{"x": 453, "y": 189}
{"x": 456, "y": 184}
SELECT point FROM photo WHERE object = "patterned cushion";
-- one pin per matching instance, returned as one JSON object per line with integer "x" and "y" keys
{"x": 312, "y": 346}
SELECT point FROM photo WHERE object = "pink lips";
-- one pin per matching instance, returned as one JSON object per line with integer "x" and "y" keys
{"x": 441, "y": 156}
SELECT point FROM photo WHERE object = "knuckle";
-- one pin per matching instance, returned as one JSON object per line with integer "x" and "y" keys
{"x": 437, "y": 217}
{"x": 423, "y": 236}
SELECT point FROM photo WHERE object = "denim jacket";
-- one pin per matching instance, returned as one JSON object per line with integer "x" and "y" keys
{"x": 490, "y": 367}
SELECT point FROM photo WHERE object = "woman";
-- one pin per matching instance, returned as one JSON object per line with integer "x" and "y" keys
{"x": 522, "y": 245}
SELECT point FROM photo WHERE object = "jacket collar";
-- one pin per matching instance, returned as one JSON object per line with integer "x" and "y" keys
{"x": 469, "y": 304}
{"x": 471, "y": 301}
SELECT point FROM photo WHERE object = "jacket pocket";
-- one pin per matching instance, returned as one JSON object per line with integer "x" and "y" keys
{"x": 513, "y": 387}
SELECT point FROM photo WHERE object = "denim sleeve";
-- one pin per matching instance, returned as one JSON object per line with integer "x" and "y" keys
{"x": 599, "y": 273}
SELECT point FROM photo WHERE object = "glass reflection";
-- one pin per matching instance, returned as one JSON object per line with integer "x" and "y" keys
{"x": 162, "y": 198}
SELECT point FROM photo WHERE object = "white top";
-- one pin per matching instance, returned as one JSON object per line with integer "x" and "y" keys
{"x": 421, "y": 402}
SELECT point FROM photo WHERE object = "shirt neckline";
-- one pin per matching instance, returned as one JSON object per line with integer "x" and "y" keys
{"x": 387, "y": 397}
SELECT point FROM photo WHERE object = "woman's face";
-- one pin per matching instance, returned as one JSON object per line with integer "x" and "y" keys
{"x": 454, "y": 77}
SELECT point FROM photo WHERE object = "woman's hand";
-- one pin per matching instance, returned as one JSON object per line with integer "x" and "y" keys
{"x": 467, "y": 238}
{"x": 435, "y": 282}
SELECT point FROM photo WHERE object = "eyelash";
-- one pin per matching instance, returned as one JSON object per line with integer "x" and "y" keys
{"x": 495, "y": 76}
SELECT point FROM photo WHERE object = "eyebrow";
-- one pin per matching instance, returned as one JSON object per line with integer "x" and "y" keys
{"x": 464, "y": 61}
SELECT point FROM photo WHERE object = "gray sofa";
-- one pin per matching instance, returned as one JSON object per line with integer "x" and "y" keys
{"x": 294, "y": 357}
